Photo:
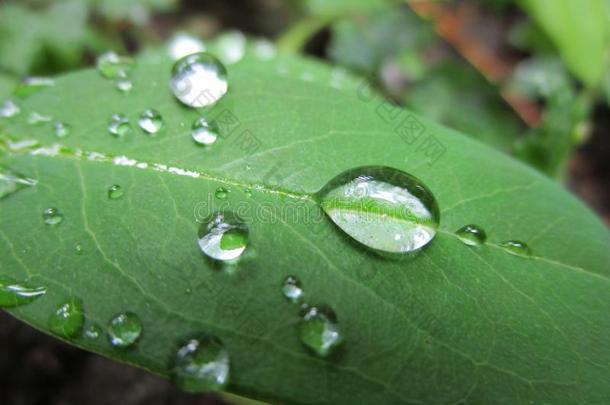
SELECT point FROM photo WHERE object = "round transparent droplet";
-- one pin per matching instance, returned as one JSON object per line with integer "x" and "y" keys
{"x": 123, "y": 85}
{"x": 205, "y": 132}
{"x": 11, "y": 182}
{"x": 52, "y": 216}
{"x": 68, "y": 318}
{"x": 232, "y": 47}
{"x": 201, "y": 364}
{"x": 112, "y": 66}
{"x": 115, "y": 192}
{"x": 385, "y": 209}
{"x": 78, "y": 248}
{"x": 199, "y": 80}
{"x": 516, "y": 248}
{"x": 93, "y": 332}
{"x": 61, "y": 129}
{"x": 224, "y": 236}
{"x": 124, "y": 330}
{"x": 221, "y": 193}
{"x": 14, "y": 293}
{"x": 151, "y": 121}
{"x": 119, "y": 125}
{"x": 182, "y": 44}
{"x": 291, "y": 289}
{"x": 9, "y": 109}
{"x": 319, "y": 331}
{"x": 472, "y": 235}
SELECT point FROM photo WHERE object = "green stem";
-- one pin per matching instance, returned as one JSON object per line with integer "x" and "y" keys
{"x": 297, "y": 36}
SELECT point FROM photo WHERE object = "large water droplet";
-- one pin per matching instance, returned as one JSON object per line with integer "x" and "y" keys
{"x": 32, "y": 84}
{"x": 201, "y": 365}
{"x": 119, "y": 125}
{"x": 11, "y": 182}
{"x": 112, "y": 66}
{"x": 151, "y": 121}
{"x": 14, "y": 293}
{"x": 205, "y": 132}
{"x": 52, "y": 216}
{"x": 67, "y": 320}
{"x": 382, "y": 208}
{"x": 291, "y": 289}
{"x": 199, "y": 80}
{"x": 124, "y": 329}
{"x": 516, "y": 248}
{"x": 319, "y": 331}
{"x": 9, "y": 109}
{"x": 224, "y": 236}
{"x": 472, "y": 235}
{"x": 61, "y": 129}
{"x": 115, "y": 192}
{"x": 182, "y": 44}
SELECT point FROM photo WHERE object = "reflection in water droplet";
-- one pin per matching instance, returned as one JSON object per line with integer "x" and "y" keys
{"x": 291, "y": 289}
{"x": 32, "y": 84}
{"x": 123, "y": 85}
{"x": 36, "y": 118}
{"x": 182, "y": 44}
{"x": 151, "y": 121}
{"x": 119, "y": 125}
{"x": 93, "y": 332}
{"x": 61, "y": 129}
{"x": 224, "y": 236}
{"x": 472, "y": 235}
{"x": 201, "y": 365}
{"x": 232, "y": 46}
{"x": 205, "y": 132}
{"x": 124, "y": 329}
{"x": 10, "y": 182}
{"x": 115, "y": 192}
{"x": 199, "y": 80}
{"x": 382, "y": 208}
{"x": 319, "y": 331}
{"x": 221, "y": 193}
{"x": 52, "y": 216}
{"x": 516, "y": 248}
{"x": 9, "y": 109}
{"x": 112, "y": 66}
{"x": 67, "y": 320}
{"x": 14, "y": 293}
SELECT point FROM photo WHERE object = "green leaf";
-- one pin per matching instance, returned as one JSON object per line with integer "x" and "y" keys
{"x": 580, "y": 31}
{"x": 136, "y": 11}
{"x": 342, "y": 7}
{"x": 452, "y": 323}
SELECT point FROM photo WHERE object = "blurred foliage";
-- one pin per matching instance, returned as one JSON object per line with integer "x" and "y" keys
{"x": 344, "y": 7}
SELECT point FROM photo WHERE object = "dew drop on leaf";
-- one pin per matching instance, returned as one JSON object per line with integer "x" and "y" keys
{"x": 52, "y": 216}
{"x": 119, "y": 125}
{"x": 291, "y": 289}
{"x": 151, "y": 121}
{"x": 516, "y": 248}
{"x": 36, "y": 118}
{"x": 112, "y": 66}
{"x": 472, "y": 235}
{"x": 93, "y": 332}
{"x": 14, "y": 293}
{"x": 124, "y": 329}
{"x": 201, "y": 365}
{"x": 9, "y": 109}
{"x": 123, "y": 85}
{"x": 183, "y": 44}
{"x": 11, "y": 182}
{"x": 319, "y": 330}
{"x": 67, "y": 320}
{"x": 382, "y": 208}
{"x": 205, "y": 132}
{"x": 61, "y": 129}
{"x": 32, "y": 84}
{"x": 78, "y": 248}
{"x": 232, "y": 47}
{"x": 199, "y": 80}
{"x": 115, "y": 192}
{"x": 221, "y": 193}
{"x": 224, "y": 236}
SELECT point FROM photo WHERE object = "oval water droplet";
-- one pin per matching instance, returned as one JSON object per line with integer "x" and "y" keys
{"x": 291, "y": 289}
{"x": 61, "y": 129}
{"x": 11, "y": 182}
{"x": 183, "y": 44}
{"x": 115, "y": 192}
{"x": 78, "y": 248}
{"x": 93, "y": 332}
{"x": 119, "y": 125}
{"x": 516, "y": 248}
{"x": 32, "y": 84}
{"x": 151, "y": 121}
{"x": 221, "y": 193}
{"x": 14, "y": 293}
{"x": 224, "y": 236}
{"x": 52, "y": 216}
{"x": 112, "y": 66}
{"x": 201, "y": 365}
{"x": 382, "y": 208}
{"x": 67, "y": 320}
{"x": 472, "y": 235}
{"x": 36, "y": 118}
{"x": 9, "y": 109}
{"x": 199, "y": 80}
{"x": 205, "y": 132}
{"x": 319, "y": 331}
{"x": 124, "y": 329}
{"x": 123, "y": 85}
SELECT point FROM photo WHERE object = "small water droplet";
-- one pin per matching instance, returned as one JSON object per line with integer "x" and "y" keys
{"x": 61, "y": 129}
{"x": 248, "y": 192}
{"x": 67, "y": 320}
{"x": 32, "y": 84}
{"x": 319, "y": 330}
{"x": 119, "y": 125}
{"x": 221, "y": 193}
{"x": 93, "y": 332}
{"x": 472, "y": 235}
{"x": 14, "y": 293}
{"x": 52, "y": 216}
{"x": 516, "y": 248}
{"x": 201, "y": 365}
{"x": 232, "y": 46}
{"x": 151, "y": 121}
{"x": 124, "y": 329}
{"x": 79, "y": 249}
{"x": 123, "y": 85}
{"x": 9, "y": 109}
{"x": 224, "y": 236}
{"x": 115, "y": 192}
{"x": 383, "y": 208}
{"x": 291, "y": 289}
{"x": 205, "y": 132}
{"x": 36, "y": 118}
{"x": 264, "y": 49}
{"x": 182, "y": 44}
{"x": 112, "y": 66}
{"x": 10, "y": 182}
{"x": 199, "y": 80}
